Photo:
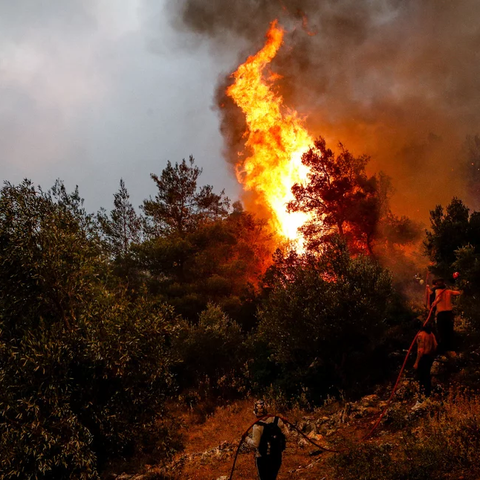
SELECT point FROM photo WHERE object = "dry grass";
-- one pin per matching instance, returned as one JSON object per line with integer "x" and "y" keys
{"x": 227, "y": 424}
{"x": 442, "y": 441}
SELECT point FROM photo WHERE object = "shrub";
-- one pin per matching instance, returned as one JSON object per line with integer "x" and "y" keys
{"x": 323, "y": 321}
{"x": 83, "y": 373}
{"x": 445, "y": 445}
{"x": 211, "y": 355}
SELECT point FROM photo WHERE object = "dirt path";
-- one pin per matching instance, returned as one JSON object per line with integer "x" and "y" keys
{"x": 210, "y": 446}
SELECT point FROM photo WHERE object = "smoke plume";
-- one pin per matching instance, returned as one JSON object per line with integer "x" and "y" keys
{"x": 394, "y": 79}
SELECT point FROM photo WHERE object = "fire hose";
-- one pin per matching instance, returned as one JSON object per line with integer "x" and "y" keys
{"x": 375, "y": 426}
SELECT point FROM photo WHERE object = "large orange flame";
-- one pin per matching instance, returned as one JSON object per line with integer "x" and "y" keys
{"x": 276, "y": 137}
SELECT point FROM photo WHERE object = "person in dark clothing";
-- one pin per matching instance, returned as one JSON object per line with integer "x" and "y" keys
{"x": 426, "y": 348}
{"x": 268, "y": 462}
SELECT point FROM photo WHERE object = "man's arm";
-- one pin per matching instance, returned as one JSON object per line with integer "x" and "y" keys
{"x": 283, "y": 427}
{"x": 254, "y": 440}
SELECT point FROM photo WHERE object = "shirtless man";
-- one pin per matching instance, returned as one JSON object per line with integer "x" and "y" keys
{"x": 426, "y": 347}
{"x": 443, "y": 304}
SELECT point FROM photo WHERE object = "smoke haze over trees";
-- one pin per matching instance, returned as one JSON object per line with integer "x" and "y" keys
{"x": 396, "y": 80}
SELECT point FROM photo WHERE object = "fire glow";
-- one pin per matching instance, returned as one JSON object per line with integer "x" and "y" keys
{"x": 275, "y": 136}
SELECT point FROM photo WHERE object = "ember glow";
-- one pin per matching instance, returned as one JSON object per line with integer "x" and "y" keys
{"x": 275, "y": 136}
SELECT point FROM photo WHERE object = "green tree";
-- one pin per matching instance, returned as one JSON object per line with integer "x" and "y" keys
{"x": 180, "y": 206}
{"x": 203, "y": 251}
{"x": 221, "y": 262}
{"x": 324, "y": 318}
{"x": 51, "y": 257}
{"x": 122, "y": 227}
{"x": 83, "y": 372}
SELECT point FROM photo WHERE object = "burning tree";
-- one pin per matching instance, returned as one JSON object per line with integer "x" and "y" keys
{"x": 343, "y": 200}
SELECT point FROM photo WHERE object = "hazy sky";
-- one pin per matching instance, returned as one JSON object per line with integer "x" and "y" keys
{"x": 97, "y": 90}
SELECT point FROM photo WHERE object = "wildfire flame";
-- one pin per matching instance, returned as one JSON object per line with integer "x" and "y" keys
{"x": 275, "y": 136}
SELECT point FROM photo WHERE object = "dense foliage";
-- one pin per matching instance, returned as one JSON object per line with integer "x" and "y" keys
{"x": 84, "y": 372}
{"x": 453, "y": 245}
{"x": 324, "y": 319}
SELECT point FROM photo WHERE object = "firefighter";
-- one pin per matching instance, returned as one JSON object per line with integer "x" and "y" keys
{"x": 431, "y": 295}
{"x": 268, "y": 440}
{"x": 445, "y": 318}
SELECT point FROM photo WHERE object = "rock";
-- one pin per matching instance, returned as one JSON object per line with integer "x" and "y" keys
{"x": 126, "y": 476}
{"x": 307, "y": 425}
{"x": 302, "y": 443}
{"x": 369, "y": 401}
{"x": 315, "y": 436}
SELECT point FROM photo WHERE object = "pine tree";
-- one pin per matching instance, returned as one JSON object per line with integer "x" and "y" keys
{"x": 180, "y": 206}
{"x": 123, "y": 227}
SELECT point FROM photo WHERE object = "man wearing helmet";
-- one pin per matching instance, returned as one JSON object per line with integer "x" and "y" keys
{"x": 268, "y": 440}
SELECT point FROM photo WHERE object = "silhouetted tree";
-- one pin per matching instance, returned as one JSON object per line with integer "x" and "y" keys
{"x": 122, "y": 227}
{"x": 450, "y": 229}
{"x": 343, "y": 200}
{"x": 180, "y": 205}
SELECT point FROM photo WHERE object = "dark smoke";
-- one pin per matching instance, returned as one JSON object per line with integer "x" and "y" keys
{"x": 398, "y": 80}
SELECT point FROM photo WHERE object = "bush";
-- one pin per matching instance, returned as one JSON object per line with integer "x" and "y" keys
{"x": 323, "y": 322}
{"x": 446, "y": 445}
{"x": 83, "y": 373}
{"x": 211, "y": 354}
